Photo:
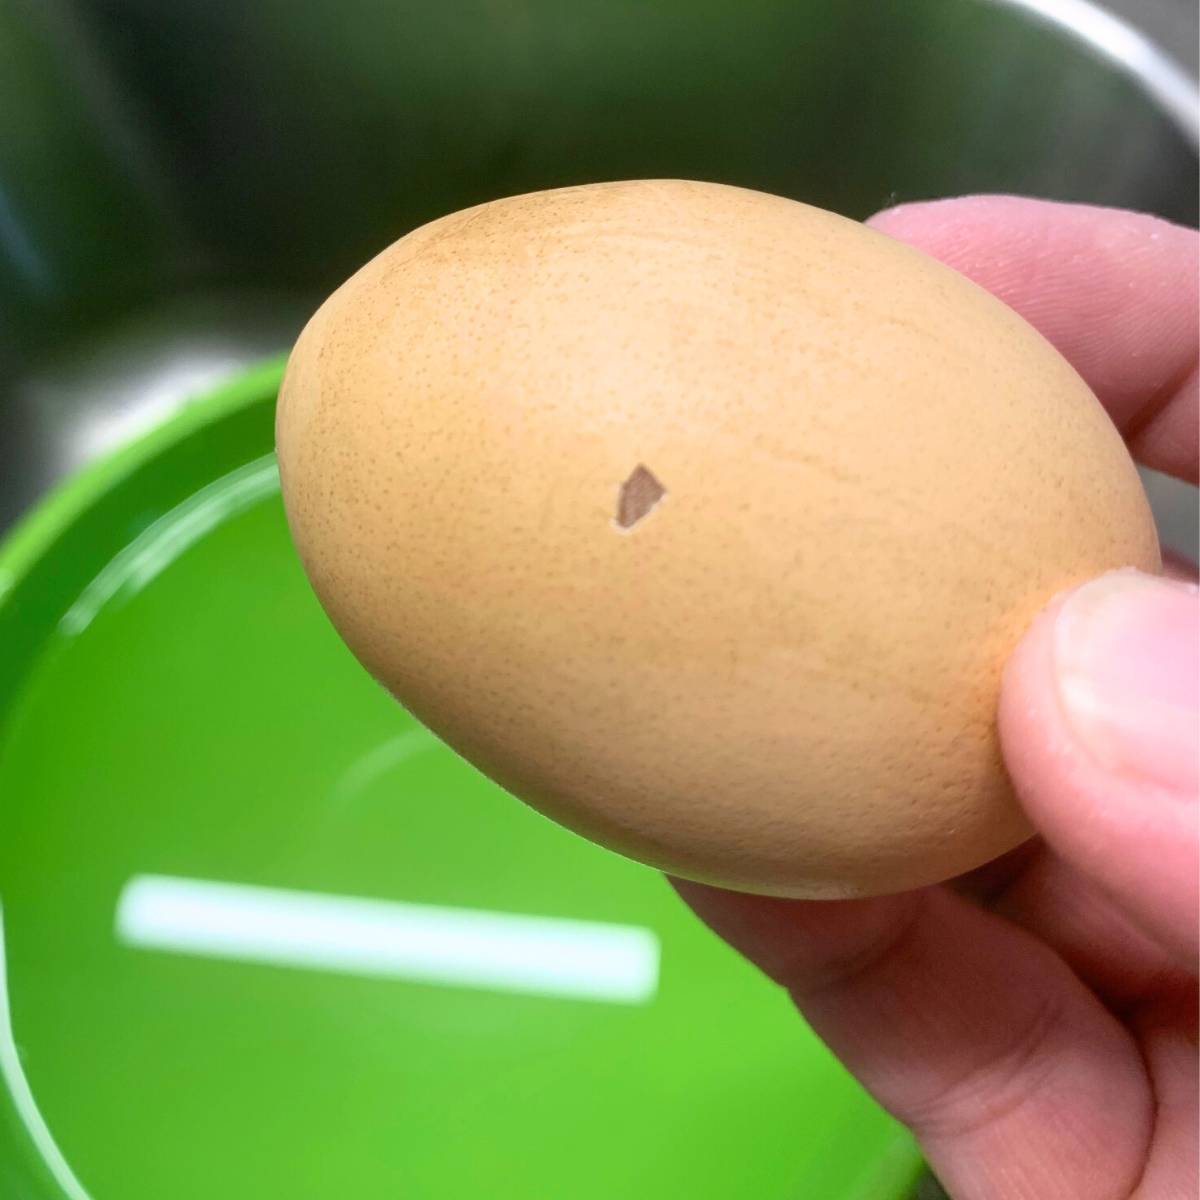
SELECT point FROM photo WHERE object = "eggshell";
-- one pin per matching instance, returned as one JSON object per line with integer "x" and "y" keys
{"x": 703, "y": 521}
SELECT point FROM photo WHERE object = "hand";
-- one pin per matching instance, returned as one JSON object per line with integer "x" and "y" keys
{"x": 1035, "y": 1023}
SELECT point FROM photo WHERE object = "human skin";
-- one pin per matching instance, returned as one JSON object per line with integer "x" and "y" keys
{"x": 1035, "y": 1023}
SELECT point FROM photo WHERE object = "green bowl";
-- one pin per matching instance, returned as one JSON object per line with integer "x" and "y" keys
{"x": 265, "y": 937}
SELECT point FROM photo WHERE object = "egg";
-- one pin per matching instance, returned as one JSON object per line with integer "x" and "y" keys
{"x": 703, "y": 521}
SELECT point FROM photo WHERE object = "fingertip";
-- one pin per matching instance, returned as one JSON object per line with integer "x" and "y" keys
{"x": 1099, "y": 727}
{"x": 920, "y": 220}
{"x": 1115, "y": 667}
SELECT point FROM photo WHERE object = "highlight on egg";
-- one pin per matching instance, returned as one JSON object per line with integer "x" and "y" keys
{"x": 703, "y": 521}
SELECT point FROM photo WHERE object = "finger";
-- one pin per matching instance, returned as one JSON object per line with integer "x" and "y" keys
{"x": 1115, "y": 291}
{"x": 1100, "y": 726}
{"x": 1092, "y": 932}
{"x": 1088, "y": 929}
{"x": 1167, "y": 1035}
{"x": 968, "y": 1029}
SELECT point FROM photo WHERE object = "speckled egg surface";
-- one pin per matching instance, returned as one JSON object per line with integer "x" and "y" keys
{"x": 703, "y": 521}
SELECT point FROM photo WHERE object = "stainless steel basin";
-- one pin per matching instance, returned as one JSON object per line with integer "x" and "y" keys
{"x": 181, "y": 180}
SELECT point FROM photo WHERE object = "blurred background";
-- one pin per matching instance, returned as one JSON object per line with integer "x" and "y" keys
{"x": 181, "y": 183}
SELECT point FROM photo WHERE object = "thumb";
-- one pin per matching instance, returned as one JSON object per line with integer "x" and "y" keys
{"x": 1100, "y": 729}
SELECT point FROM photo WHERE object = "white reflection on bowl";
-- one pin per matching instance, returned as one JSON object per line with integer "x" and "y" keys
{"x": 458, "y": 947}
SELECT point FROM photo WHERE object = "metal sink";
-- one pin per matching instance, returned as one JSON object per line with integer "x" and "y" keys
{"x": 180, "y": 182}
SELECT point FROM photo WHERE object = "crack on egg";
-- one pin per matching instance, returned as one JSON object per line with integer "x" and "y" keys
{"x": 639, "y": 494}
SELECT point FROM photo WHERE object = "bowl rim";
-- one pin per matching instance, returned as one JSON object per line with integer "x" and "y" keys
{"x": 40, "y": 526}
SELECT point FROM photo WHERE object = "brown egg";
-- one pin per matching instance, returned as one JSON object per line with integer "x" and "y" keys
{"x": 703, "y": 521}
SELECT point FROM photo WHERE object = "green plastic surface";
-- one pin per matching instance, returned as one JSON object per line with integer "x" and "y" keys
{"x": 173, "y": 703}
